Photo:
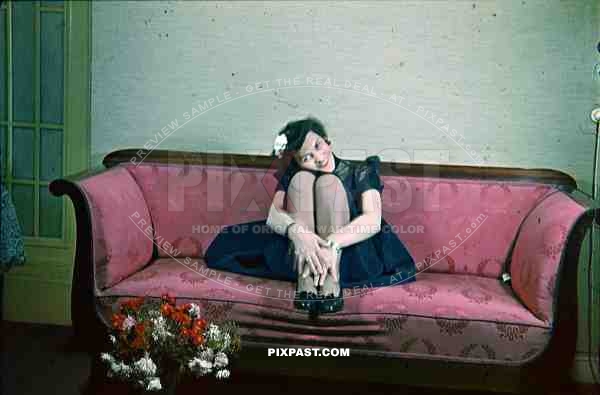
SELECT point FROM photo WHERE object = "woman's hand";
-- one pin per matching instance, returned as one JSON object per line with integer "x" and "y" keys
{"x": 308, "y": 252}
{"x": 329, "y": 259}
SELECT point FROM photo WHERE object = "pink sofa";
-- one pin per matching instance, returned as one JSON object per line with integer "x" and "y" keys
{"x": 143, "y": 226}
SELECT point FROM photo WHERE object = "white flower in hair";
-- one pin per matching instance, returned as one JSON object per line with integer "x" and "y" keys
{"x": 280, "y": 144}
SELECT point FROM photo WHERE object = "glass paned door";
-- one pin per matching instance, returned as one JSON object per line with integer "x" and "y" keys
{"x": 32, "y": 75}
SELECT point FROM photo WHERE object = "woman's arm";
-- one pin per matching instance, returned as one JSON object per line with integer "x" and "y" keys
{"x": 278, "y": 218}
{"x": 305, "y": 241}
{"x": 365, "y": 225}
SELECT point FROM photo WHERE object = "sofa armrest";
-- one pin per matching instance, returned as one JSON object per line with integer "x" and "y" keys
{"x": 547, "y": 247}
{"x": 115, "y": 205}
{"x": 110, "y": 246}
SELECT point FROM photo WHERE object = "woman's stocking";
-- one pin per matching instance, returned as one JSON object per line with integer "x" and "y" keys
{"x": 306, "y": 284}
{"x": 332, "y": 213}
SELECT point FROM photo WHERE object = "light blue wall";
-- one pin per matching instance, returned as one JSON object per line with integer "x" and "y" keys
{"x": 513, "y": 80}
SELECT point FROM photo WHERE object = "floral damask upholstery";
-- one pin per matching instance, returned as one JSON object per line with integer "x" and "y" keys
{"x": 460, "y": 232}
{"x": 439, "y": 316}
{"x": 119, "y": 248}
{"x": 538, "y": 251}
{"x": 188, "y": 205}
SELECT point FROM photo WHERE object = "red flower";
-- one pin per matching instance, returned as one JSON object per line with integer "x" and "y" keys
{"x": 201, "y": 324}
{"x": 168, "y": 298}
{"x": 184, "y": 307}
{"x": 198, "y": 339}
{"x": 181, "y": 318}
{"x": 139, "y": 343}
{"x": 185, "y": 332}
{"x": 140, "y": 329}
{"x": 135, "y": 303}
{"x": 166, "y": 309}
{"x": 117, "y": 321}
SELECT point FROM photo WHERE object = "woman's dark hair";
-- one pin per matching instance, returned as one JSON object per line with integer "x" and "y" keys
{"x": 296, "y": 132}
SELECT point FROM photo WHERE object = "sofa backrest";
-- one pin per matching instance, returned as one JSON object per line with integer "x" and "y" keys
{"x": 468, "y": 226}
{"x": 448, "y": 225}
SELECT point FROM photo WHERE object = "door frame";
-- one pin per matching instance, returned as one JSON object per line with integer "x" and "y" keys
{"x": 49, "y": 266}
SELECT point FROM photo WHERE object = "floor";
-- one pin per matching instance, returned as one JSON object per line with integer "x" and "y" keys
{"x": 40, "y": 359}
{"x": 36, "y": 360}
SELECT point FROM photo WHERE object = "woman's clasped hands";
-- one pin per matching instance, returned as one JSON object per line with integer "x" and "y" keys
{"x": 312, "y": 255}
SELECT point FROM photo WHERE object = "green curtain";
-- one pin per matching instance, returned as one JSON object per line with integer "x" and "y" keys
{"x": 11, "y": 239}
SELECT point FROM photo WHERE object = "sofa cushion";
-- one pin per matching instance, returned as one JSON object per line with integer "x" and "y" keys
{"x": 189, "y": 205}
{"x": 538, "y": 252}
{"x": 440, "y": 316}
{"x": 118, "y": 211}
{"x": 467, "y": 226}
{"x": 448, "y": 225}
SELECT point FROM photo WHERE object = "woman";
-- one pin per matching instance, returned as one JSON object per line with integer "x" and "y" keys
{"x": 329, "y": 232}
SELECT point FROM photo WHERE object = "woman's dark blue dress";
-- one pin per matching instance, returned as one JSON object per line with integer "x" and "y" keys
{"x": 381, "y": 260}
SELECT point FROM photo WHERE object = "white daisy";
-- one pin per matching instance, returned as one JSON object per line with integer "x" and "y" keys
{"x": 200, "y": 366}
{"x": 194, "y": 311}
{"x": 222, "y": 374}
{"x": 221, "y": 360}
{"x": 160, "y": 331}
{"x": 146, "y": 365}
{"x": 213, "y": 332}
{"x": 226, "y": 341}
{"x": 207, "y": 354}
{"x": 154, "y": 385}
{"x": 126, "y": 370}
{"x": 106, "y": 357}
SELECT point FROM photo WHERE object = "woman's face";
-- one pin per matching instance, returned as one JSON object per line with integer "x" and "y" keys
{"x": 315, "y": 154}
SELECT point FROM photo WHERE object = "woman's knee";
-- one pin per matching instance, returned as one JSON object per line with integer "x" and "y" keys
{"x": 330, "y": 194}
{"x": 327, "y": 182}
{"x": 300, "y": 198}
{"x": 302, "y": 182}
{"x": 329, "y": 188}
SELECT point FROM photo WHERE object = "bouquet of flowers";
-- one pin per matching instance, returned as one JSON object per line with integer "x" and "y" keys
{"x": 153, "y": 338}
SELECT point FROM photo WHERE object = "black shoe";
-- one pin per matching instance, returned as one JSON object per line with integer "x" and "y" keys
{"x": 331, "y": 303}
{"x": 306, "y": 301}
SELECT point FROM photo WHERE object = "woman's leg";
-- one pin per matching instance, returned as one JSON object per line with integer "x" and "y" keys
{"x": 300, "y": 206}
{"x": 333, "y": 213}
